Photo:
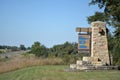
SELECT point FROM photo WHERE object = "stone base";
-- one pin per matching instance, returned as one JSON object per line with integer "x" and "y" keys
{"x": 73, "y": 66}
{"x": 86, "y": 65}
{"x": 91, "y": 68}
{"x": 82, "y": 67}
{"x": 107, "y": 68}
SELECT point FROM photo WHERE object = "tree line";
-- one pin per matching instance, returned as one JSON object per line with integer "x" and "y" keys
{"x": 14, "y": 48}
{"x": 67, "y": 51}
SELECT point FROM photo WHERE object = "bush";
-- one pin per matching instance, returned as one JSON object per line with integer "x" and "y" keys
{"x": 39, "y": 50}
{"x": 118, "y": 62}
{"x": 68, "y": 59}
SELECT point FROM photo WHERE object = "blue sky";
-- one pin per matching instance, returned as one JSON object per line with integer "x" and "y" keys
{"x": 50, "y": 22}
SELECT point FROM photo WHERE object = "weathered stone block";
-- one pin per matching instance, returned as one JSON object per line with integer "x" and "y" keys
{"x": 79, "y": 62}
{"x": 86, "y": 59}
{"x": 73, "y": 66}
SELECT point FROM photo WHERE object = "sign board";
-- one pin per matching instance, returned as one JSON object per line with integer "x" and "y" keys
{"x": 83, "y": 42}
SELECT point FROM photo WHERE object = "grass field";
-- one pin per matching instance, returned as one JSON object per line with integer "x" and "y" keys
{"x": 56, "y": 72}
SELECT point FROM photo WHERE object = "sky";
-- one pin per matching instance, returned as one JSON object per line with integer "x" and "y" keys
{"x": 50, "y": 22}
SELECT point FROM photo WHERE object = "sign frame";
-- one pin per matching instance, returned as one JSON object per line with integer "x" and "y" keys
{"x": 84, "y": 43}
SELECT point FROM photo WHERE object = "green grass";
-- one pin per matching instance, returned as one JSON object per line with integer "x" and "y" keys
{"x": 56, "y": 72}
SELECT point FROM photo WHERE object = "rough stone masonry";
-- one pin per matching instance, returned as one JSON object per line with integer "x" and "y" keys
{"x": 98, "y": 47}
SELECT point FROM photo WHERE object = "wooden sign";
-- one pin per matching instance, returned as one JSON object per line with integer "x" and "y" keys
{"x": 83, "y": 42}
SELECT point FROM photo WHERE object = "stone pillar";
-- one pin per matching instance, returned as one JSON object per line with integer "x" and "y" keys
{"x": 99, "y": 46}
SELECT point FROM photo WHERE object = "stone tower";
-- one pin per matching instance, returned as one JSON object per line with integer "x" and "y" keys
{"x": 99, "y": 59}
{"x": 99, "y": 47}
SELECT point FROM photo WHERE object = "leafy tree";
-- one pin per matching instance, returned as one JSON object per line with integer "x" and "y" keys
{"x": 64, "y": 49}
{"x": 111, "y": 10}
{"x": 39, "y": 50}
{"x": 67, "y": 51}
{"x": 98, "y": 16}
{"x": 28, "y": 48}
{"x": 22, "y": 47}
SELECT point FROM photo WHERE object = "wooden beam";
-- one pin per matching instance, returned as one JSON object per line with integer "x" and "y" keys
{"x": 83, "y": 30}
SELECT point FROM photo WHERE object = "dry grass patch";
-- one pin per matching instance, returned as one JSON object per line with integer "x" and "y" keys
{"x": 21, "y": 61}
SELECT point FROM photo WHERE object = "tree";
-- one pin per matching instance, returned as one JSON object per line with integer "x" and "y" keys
{"x": 111, "y": 10}
{"x": 39, "y": 50}
{"x": 14, "y": 48}
{"x": 67, "y": 51}
{"x": 22, "y": 47}
{"x": 98, "y": 16}
{"x": 64, "y": 49}
{"x": 28, "y": 48}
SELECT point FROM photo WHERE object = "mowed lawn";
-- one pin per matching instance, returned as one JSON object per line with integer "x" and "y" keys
{"x": 56, "y": 72}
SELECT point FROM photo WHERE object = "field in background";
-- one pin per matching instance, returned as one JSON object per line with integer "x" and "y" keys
{"x": 56, "y": 72}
